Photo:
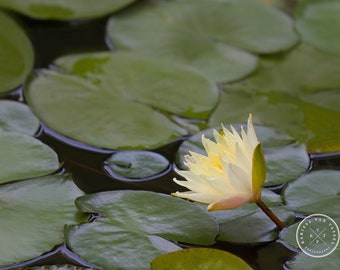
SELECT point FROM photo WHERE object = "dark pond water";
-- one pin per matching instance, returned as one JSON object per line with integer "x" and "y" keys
{"x": 52, "y": 39}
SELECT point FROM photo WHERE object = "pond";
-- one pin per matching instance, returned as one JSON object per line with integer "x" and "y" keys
{"x": 116, "y": 100}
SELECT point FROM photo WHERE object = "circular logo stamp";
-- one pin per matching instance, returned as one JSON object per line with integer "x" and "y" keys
{"x": 318, "y": 235}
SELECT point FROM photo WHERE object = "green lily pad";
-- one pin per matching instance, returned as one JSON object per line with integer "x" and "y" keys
{"x": 199, "y": 259}
{"x": 16, "y": 54}
{"x": 25, "y": 157}
{"x": 310, "y": 123}
{"x": 248, "y": 224}
{"x": 300, "y": 261}
{"x": 15, "y": 116}
{"x": 301, "y": 71}
{"x": 63, "y": 9}
{"x": 288, "y": 235}
{"x": 136, "y": 227}
{"x": 285, "y": 160}
{"x": 184, "y": 31}
{"x": 120, "y": 101}
{"x": 315, "y": 192}
{"x": 318, "y": 22}
{"x": 33, "y": 214}
{"x": 56, "y": 267}
{"x": 136, "y": 164}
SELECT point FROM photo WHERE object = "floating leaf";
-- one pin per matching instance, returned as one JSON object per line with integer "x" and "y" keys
{"x": 199, "y": 259}
{"x": 303, "y": 70}
{"x": 33, "y": 214}
{"x": 56, "y": 267}
{"x": 25, "y": 157}
{"x": 184, "y": 31}
{"x": 15, "y": 116}
{"x": 309, "y": 123}
{"x": 285, "y": 160}
{"x": 116, "y": 100}
{"x": 63, "y": 9}
{"x": 136, "y": 227}
{"x": 16, "y": 54}
{"x": 249, "y": 224}
{"x": 136, "y": 164}
{"x": 315, "y": 192}
{"x": 318, "y": 22}
{"x": 300, "y": 262}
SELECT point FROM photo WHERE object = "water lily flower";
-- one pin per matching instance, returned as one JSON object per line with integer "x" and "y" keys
{"x": 230, "y": 175}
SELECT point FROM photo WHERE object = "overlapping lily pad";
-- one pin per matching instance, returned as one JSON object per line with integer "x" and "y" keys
{"x": 119, "y": 101}
{"x": 199, "y": 259}
{"x": 24, "y": 157}
{"x": 16, "y": 54}
{"x": 300, "y": 261}
{"x": 64, "y": 9}
{"x": 318, "y": 22}
{"x": 248, "y": 224}
{"x": 285, "y": 159}
{"x": 33, "y": 214}
{"x": 17, "y": 117}
{"x": 184, "y": 31}
{"x": 316, "y": 192}
{"x": 135, "y": 228}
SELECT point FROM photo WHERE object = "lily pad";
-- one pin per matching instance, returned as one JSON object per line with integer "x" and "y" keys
{"x": 25, "y": 157}
{"x": 33, "y": 214}
{"x": 249, "y": 224}
{"x": 136, "y": 164}
{"x": 285, "y": 160}
{"x": 56, "y": 267}
{"x": 16, "y": 54}
{"x": 137, "y": 226}
{"x": 302, "y": 70}
{"x": 120, "y": 101}
{"x": 199, "y": 259}
{"x": 318, "y": 22}
{"x": 315, "y": 192}
{"x": 63, "y": 9}
{"x": 184, "y": 31}
{"x": 310, "y": 123}
{"x": 300, "y": 261}
{"x": 15, "y": 116}
{"x": 331, "y": 261}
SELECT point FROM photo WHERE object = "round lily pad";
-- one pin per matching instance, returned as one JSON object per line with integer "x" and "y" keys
{"x": 25, "y": 157}
{"x": 136, "y": 164}
{"x": 137, "y": 226}
{"x": 318, "y": 22}
{"x": 63, "y": 9}
{"x": 315, "y": 192}
{"x": 183, "y": 31}
{"x": 199, "y": 259}
{"x": 15, "y": 116}
{"x": 33, "y": 214}
{"x": 120, "y": 101}
{"x": 16, "y": 54}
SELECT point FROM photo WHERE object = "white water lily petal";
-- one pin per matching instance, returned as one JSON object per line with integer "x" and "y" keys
{"x": 224, "y": 177}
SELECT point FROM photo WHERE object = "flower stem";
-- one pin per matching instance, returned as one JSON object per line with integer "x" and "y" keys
{"x": 270, "y": 214}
